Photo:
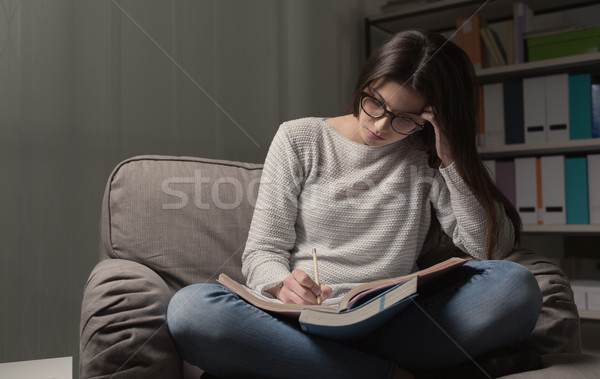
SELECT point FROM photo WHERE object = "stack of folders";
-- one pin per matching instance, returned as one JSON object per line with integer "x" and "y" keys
{"x": 551, "y": 189}
{"x": 541, "y": 109}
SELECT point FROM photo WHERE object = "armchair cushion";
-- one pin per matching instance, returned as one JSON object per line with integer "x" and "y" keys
{"x": 123, "y": 324}
{"x": 185, "y": 218}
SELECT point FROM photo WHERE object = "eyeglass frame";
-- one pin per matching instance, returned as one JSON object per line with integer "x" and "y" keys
{"x": 418, "y": 127}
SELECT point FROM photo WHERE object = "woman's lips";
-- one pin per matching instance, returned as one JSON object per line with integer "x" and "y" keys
{"x": 375, "y": 136}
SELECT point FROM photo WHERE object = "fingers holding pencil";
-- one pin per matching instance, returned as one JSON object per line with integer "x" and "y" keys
{"x": 299, "y": 288}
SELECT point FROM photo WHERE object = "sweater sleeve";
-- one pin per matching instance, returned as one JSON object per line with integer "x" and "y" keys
{"x": 463, "y": 218}
{"x": 265, "y": 261}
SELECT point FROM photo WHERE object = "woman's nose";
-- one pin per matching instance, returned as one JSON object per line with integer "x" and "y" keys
{"x": 382, "y": 123}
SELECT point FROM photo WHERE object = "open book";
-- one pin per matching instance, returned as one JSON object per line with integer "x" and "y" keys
{"x": 360, "y": 311}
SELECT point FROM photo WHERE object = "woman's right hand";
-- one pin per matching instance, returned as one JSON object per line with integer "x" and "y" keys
{"x": 299, "y": 288}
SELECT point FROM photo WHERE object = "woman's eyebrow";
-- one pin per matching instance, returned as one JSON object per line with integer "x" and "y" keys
{"x": 382, "y": 99}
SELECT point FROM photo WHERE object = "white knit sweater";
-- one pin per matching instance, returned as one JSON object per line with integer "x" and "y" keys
{"x": 365, "y": 209}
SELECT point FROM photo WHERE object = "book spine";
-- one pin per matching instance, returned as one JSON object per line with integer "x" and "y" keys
{"x": 519, "y": 20}
{"x": 596, "y": 110}
{"x": 510, "y": 42}
{"x": 580, "y": 106}
{"x": 522, "y": 16}
{"x": 468, "y": 37}
{"x": 497, "y": 44}
{"x": 490, "y": 47}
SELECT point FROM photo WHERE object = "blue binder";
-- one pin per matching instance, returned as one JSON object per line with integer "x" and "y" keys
{"x": 580, "y": 106}
{"x": 576, "y": 181}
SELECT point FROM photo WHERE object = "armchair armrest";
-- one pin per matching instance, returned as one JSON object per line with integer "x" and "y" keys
{"x": 557, "y": 329}
{"x": 123, "y": 324}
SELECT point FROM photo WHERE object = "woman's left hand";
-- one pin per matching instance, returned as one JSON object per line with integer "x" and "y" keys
{"x": 442, "y": 145}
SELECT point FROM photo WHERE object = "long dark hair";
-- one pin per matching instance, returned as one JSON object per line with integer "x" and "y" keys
{"x": 440, "y": 71}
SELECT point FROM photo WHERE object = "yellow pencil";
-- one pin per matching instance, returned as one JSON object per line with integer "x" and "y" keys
{"x": 316, "y": 273}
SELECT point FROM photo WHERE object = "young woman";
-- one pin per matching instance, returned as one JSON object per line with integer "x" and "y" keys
{"x": 361, "y": 189}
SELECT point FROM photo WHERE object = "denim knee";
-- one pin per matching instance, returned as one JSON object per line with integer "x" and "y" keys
{"x": 525, "y": 296}
{"x": 188, "y": 308}
{"x": 526, "y": 289}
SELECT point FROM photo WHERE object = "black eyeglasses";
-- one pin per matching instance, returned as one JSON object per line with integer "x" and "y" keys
{"x": 402, "y": 124}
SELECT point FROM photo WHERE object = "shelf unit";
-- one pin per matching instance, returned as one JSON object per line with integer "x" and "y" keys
{"x": 443, "y": 14}
{"x": 440, "y": 16}
{"x": 572, "y": 65}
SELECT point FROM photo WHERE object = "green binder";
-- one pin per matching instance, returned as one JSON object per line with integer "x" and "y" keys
{"x": 563, "y": 44}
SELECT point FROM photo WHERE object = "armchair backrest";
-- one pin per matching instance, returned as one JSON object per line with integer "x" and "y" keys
{"x": 185, "y": 218}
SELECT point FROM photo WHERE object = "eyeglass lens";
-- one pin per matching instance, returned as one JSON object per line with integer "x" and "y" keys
{"x": 400, "y": 123}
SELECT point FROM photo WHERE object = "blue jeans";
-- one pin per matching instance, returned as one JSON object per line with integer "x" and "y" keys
{"x": 480, "y": 307}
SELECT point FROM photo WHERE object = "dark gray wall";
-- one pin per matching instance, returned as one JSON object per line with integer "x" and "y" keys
{"x": 86, "y": 84}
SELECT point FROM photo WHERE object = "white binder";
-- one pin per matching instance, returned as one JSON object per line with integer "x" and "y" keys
{"x": 553, "y": 190}
{"x": 593, "y": 162}
{"x": 557, "y": 107}
{"x": 526, "y": 189}
{"x": 493, "y": 114}
{"x": 534, "y": 109}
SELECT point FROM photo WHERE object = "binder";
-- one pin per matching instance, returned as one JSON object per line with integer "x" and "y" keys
{"x": 514, "y": 126}
{"x": 493, "y": 114}
{"x": 553, "y": 189}
{"x": 523, "y": 18}
{"x": 593, "y": 161}
{"x": 468, "y": 37}
{"x": 576, "y": 188}
{"x": 490, "y": 166}
{"x": 580, "y": 106}
{"x": 534, "y": 109}
{"x": 557, "y": 107}
{"x": 526, "y": 189}
{"x": 505, "y": 180}
{"x": 596, "y": 110}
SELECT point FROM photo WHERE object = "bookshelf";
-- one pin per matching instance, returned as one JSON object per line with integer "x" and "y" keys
{"x": 440, "y": 16}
